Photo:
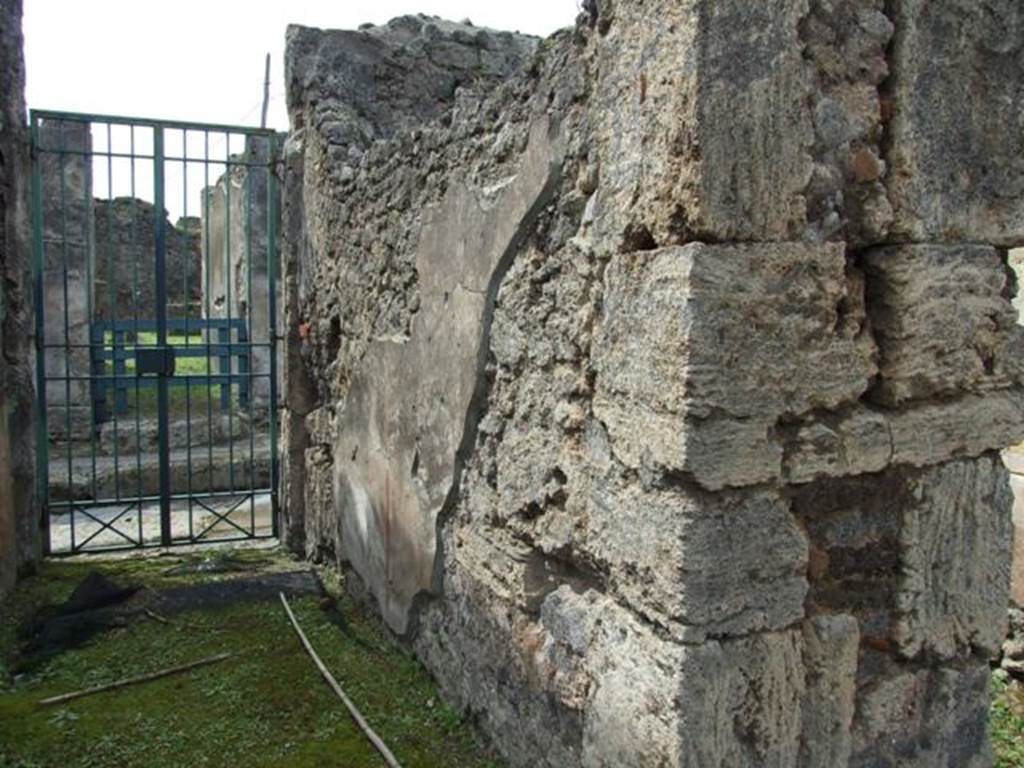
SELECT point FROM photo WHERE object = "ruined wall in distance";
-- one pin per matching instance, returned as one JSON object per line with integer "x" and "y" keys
{"x": 124, "y": 284}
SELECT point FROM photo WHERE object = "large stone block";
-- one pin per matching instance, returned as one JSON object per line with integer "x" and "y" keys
{"x": 954, "y": 571}
{"x": 830, "y": 650}
{"x": 650, "y": 701}
{"x": 694, "y": 336}
{"x": 921, "y": 558}
{"x": 740, "y": 702}
{"x": 917, "y": 717}
{"x": 943, "y": 320}
{"x": 956, "y": 134}
{"x": 866, "y": 439}
{"x": 672, "y": 75}
{"x": 734, "y": 121}
{"x": 700, "y": 564}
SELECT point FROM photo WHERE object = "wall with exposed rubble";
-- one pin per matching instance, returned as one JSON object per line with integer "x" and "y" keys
{"x": 19, "y": 538}
{"x": 650, "y": 378}
{"x": 124, "y": 271}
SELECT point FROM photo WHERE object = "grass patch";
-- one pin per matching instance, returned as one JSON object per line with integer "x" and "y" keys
{"x": 1006, "y": 722}
{"x": 265, "y": 707}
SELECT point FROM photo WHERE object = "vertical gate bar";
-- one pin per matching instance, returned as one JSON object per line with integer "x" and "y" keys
{"x": 88, "y": 225}
{"x": 161, "y": 333}
{"x": 135, "y": 325}
{"x": 224, "y": 365}
{"x": 185, "y": 300}
{"x": 272, "y": 215}
{"x": 207, "y": 264}
{"x": 38, "y": 275}
{"x": 227, "y": 282}
{"x": 61, "y": 144}
{"x": 250, "y": 335}
{"x": 112, "y": 276}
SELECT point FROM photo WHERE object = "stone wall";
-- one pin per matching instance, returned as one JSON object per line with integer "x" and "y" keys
{"x": 653, "y": 389}
{"x": 19, "y": 528}
{"x": 235, "y": 268}
{"x": 68, "y": 287}
{"x": 125, "y": 262}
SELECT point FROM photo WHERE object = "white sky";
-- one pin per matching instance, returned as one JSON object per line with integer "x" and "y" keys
{"x": 202, "y": 60}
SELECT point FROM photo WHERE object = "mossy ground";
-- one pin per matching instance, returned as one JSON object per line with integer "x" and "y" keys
{"x": 267, "y": 706}
{"x": 1006, "y": 722}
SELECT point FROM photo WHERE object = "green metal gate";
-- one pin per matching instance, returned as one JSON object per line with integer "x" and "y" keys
{"x": 155, "y": 278}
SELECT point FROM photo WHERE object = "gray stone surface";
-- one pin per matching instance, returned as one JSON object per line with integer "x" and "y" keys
{"x": 955, "y": 565}
{"x": 956, "y": 131}
{"x": 831, "y": 649}
{"x": 19, "y": 535}
{"x": 785, "y": 320}
{"x": 695, "y": 563}
{"x": 677, "y": 521}
{"x": 944, "y": 321}
{"x": 924, "y": 718}
{"x": 797, "y": 83}
{"x": 920, "y": 557}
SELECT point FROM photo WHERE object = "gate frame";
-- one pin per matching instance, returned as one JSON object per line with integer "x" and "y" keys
{"x": 165, "y": 497}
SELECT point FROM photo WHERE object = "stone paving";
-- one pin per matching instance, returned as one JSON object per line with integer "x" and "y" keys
{"x": 133, "y": 526}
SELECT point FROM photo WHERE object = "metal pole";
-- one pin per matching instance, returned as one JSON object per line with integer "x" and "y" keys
{"x": 266, "y": 93}
{"x": 161, "y": 333}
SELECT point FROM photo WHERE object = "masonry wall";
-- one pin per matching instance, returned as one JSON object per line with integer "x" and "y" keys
{"x": 124, "y": 274}
{"x": 235, "y": 267}
{"x": 653, "y": 389}
{"x": 19, "y": 538}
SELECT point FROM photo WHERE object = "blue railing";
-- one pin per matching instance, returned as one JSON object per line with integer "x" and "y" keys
{"x": 116, "y": 341}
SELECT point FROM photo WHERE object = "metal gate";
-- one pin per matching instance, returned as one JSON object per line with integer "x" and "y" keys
{"x": 155, "y": 278}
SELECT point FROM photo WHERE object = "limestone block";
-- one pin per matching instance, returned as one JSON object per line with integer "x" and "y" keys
{"x": 954, "y": 569}
{"x": 830, "y": 650}
{"x": 731, "y": 121}
{"x": 697, "y": 563}
{"x": 956, "y": 134}
{"x": 943, "y": 321}
{"x": 864, "y": 440}
{"x": 923, "y": 718}
{"x": 836, "y": 445}
{"x": 694, "y": 336}
{"x": 919, "y": 557}
{"x": 963, "y": 427}
{"x": 671, "y": 77}
{"x": 651, "y": 701}
{"x": 740, "y": 702}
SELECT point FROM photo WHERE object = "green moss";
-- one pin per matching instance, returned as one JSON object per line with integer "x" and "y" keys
{"x": 266, "y": 706}
{"x": 1006, "y": 722}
